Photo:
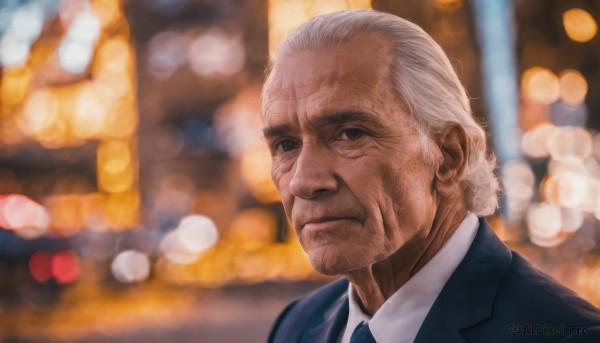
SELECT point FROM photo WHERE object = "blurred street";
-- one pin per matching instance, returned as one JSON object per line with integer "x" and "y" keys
{"x": 230, "y": 314}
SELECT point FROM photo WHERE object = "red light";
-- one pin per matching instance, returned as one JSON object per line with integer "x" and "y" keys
{"x": 65, "y": 266}
{"x": 39, "y": 266}
{"x": 3, "y": 223}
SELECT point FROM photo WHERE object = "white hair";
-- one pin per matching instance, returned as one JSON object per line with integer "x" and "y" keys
{"x": 424, "y": 80}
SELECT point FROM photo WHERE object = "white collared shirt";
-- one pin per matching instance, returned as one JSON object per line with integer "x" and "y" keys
{"x": 400, "y": 317}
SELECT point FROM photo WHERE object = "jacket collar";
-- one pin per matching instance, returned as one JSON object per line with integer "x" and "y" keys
{"x": 468, "y": 296}
{"x": 335, "y": 321}
{"x": 466, "y": 299}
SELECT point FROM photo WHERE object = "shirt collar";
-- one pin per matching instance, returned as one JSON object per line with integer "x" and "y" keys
{"x": 401, "y": 316}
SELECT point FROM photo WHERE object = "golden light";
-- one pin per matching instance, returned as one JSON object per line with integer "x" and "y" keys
{"x": 449, "y": 5}
{"x": 254, "y": 224}
{"x": 90, "y": 113}
{"x": 113, "y": 156}
{"x": 286, "y": 15}
{"x": 116, "y": 173}
{"x": 573, "y": 87}
{"x": 108, "y": 11}
{"x": 113, "y": 59}
{"x": 579, "y": 25}
{"x": 100, "y": 107}
{"x": 41, "y": 110}
{"x": 256, "y": 173}
{"x": 540, "y": 84}
{"x": 121, "y": 209}
{"x": 15, "y": 84}
{"x": 66, "y": 213}
{"x": 122, "y": 119}
{"x": 115, "y": 183}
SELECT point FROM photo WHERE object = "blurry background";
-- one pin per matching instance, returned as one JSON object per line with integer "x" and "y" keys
{"x": 135, "y": 194}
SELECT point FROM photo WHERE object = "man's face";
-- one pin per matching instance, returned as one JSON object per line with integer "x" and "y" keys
{"x": 346, "y": 156}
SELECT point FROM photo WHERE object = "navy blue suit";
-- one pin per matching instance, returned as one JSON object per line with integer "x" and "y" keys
{"x": 494, "y": 295}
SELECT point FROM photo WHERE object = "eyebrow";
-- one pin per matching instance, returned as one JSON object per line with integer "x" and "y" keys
{"x": 335, "y": 118}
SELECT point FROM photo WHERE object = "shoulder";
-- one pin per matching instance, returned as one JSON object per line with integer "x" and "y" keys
{"x": 538, "y": 294}
{"x": 533, "y": 307}
{"x": 308, "y": 312}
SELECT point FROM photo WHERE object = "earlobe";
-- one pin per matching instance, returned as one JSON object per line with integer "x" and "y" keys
{"x": 454, "y": 148}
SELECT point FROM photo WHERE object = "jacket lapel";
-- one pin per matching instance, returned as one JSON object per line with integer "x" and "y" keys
{"x": 335, "y": 321}
{"x": 468, "y": 296}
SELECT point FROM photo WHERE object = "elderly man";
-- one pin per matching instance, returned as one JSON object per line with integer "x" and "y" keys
{"x": 383, "y": 171}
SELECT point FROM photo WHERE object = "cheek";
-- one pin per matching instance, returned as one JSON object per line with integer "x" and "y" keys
{"x": 281, "y": 176}
{"x": 406, "y": 202}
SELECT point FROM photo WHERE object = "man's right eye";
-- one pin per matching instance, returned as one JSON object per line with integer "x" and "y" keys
{"x": 286, "y": 145}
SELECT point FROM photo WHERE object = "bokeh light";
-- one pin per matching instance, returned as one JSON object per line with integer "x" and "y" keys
{"x": 39, "y": 113}
{"x": 131, "y": 266}
{"x": 286, "y": 15}
{"x": 570, "y": 145}
{"x": 194, "y": 235}
{"x": 540, "y": 84}
{"x": 518, "y": 181}
{"x": 449, "y": 5}
{"x": 571, "y": 219}
{"x": 572, "y": 189}
{"x": 76, "y": 50}
{"x": 254, "y": 224}
{"x": 14, "y": 86}
{"x": 174, "y": 251}
{"x": 579, "y": 25}
{"x": 217, "y": 52}
{"x": 39, "y": 266}
{"x": 534, "y": 143}
{"x": 544, "y": 220}
{"x": 573, "y": 86}
{"x": 197, "y": 233}
{"x": 167, "y": 51}
{"x": 90, "y": 113}
{"x": 19, "y": 213}
{"x": 65, "y": 266}
{"x": 256, "y": 173}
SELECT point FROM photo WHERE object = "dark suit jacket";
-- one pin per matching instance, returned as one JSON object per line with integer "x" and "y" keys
{"x": 494, "y": 295}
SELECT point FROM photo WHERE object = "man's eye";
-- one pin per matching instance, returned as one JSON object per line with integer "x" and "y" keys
{"x": 286, "y": 145}
{"x": 351, "y": 134}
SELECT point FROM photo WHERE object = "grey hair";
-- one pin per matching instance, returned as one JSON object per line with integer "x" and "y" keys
{"x": 424, "y": 80}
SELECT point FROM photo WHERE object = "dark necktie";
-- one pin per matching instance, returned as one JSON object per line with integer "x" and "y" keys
{"x": 362, "y": 334}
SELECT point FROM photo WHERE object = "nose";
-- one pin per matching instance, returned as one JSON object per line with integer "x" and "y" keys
{"x": 314, "y": 173}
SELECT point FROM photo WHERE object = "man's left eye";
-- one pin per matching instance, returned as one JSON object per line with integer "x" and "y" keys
{"x": 351, "y": 134}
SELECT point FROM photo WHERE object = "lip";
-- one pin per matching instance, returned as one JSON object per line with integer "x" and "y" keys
{"x": 324, "y": 222}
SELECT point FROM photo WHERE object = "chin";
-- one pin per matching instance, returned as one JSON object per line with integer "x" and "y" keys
{"x": 328, "y": 261}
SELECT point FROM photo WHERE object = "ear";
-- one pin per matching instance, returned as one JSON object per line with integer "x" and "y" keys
{"x": 454, "y": 147}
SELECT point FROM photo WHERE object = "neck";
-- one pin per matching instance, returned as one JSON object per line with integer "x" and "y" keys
{"x": 374, "y": 284}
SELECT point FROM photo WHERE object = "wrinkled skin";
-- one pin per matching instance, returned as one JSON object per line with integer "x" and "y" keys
{"x": 348, "y": 164}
